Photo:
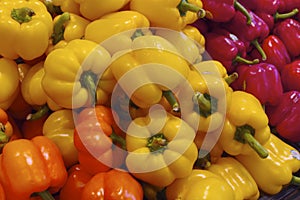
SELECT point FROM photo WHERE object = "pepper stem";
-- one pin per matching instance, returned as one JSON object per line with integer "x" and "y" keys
{"x": 22, "y": 15}
{"x": 118, "y": 139}
{"x": 231, "y": 78}
{"x": 136, "y": 34}
{"x": 243, "y": 10}
{"x": 59, "y": 28}
{"x": 260, "y": 49}
{"x": 172, "y": 100}
{"x": 157, "y": 142}
{"x": 245, "y": 134}
{"x": 244, "y": 60}
{"x": 278, "y": 16}
{"x": 3, "y": 138}
{"x": 295, "y": 181}
{"x": 38, "y": 114}
{"x": 204, "y": 104}
{"x": 185, "y": 6}
{"x": 87, "y": 79}
{"x": 45, "y": 195}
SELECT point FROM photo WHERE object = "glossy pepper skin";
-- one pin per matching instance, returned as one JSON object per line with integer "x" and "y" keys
{"x": 30, "y": 166}
{"x": 157, "y": 151}
{"x": 290, "y": 76}
{"x": 67, "y": 6}
{"x": 288, "y": 31}
{"x": 24, "y": 36}
{"x": 288, "y": 5}
{"x": 284, "y": 117}
{"x": 263, "y": 80}
{"x": 246, "y": 126}
{"x": 176, "y": 14}
{"x": 237, "y": 176}
{"x": 6, "y": 128}
{"x": 68, "y": 80}
{"x": 233, "y": 49}
{"x": 200, "y": 184}
{"x": 59, "y": 127}
{"x": 275, "y": 171}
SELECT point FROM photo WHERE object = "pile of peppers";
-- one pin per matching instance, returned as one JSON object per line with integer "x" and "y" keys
{"x": 149, "y": 100}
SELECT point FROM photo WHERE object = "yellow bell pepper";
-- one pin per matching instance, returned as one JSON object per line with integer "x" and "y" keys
{"x": 199, "y": 185}
{"x": 113, "y": 24}
{"x": 25, "y": 29}
{"x": 246, "y": 126}
{"x": 92, "y": 10}
{"x": 9, "y": 77}
{"x": 67, "y": 6}
{"x": 173, "y": 14}
{"x": 160, "y": 148}
{"x": 237, "y": 176}
{"x": 71, "y": 73}
{"x": 59, "y": 127}
{"x": 195, "y": 35}
{"x": 68, "y": 26}
{"x": 276, "y": 171}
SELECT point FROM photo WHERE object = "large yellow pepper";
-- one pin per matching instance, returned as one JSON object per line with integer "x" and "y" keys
{"x": 71, "y": 73}
{"x": 9, "y": 77}
{"x": 67, "y": 6}
{"x": 114, "y": 23}
{"x": 92, "y": 10}
{"x": 237, "y": 176}
{"x": 160, "y": 148}
{"x": 59, "y": 127}
{"x": 276, "y": 171}
{"x": 199, "y": 185}
{"x": 25, "y": 29}
{"x": 173, "y": 14}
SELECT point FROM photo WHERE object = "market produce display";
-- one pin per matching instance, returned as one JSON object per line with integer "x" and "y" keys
{"x": 146, "y": 100}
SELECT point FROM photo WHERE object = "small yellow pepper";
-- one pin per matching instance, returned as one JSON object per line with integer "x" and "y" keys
{"x": 25, "y": 29}
{"x": 196, "y": 35}
{"x": 67, "y": 6}
{"x": 199, "y": 185}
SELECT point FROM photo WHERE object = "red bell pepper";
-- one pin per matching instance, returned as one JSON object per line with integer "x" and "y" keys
{"x": 290, "y": 76}
{"x": 223, "y": 10}
{"x": 288, "y": 5}
{"x": 285, "y": 116}
{"x": 266, "y": 6}
{"x": 226, "y": 48}
{"x": 262, "y": 80}
{"x": 288, "y": 31}
{"x": 275, "y": 51}
{"x": 252, "y": 33}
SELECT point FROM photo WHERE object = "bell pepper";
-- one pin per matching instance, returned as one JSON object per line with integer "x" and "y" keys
{"x": 251, "y": 34}
{"x": 32, "y": 128}
{"x": 96, "y": 141}
{"x": 276, "y": 171}
{"x": 26, "y": 27}
{"x": 237, "y": 176}
{"x": 275, "y": 51}
{"x": 290, "y": 76}
{"x": 6, "y": 128}
{"x": 59, "y": 127}
{"x": 259, "y": 79}
{"x": 160, "y": 148}
{"x": 267, "y": 6}
{"x": 175, "y": 14}
{"x": 233, "y": 51}
{"x": 223, "y": 11}
{"x": 2, "y": 194}
{"x": 9, "y": 76}
{"x": 68, "y": 26}
{"x": 114, "y": 23}
{"x": 71, "y": 73}
{"x": 93, "y": 10}
{"x": 193, "y": 33}
{"x": 151, "y": 64}
{"x": 246, "y": 126}
{"x": 284, "y": 117}
{"x": 114, "y": 184}
{"x": 288, "y": 31}
{"x": 200, "y": 184}
{"x": 288, "y": 5}
{"x": 67, "y": 6}
{"x": 31, "y": 166}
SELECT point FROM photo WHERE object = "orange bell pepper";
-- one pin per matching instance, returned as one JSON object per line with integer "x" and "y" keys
{"x": 6, "y": 129}
{"x": 31, "y": 167}
{"x": 2, "y": 194}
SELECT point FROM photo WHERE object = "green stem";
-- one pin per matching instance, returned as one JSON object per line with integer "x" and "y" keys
{"x": 185, "y": 6}
{"x": 59, "y": 28}
{"x": 243, "y": 10}
{"x": 45, "y": 195}
{"x": 118, "y": 139}
{"x": 231, "y": 78}
{"x": 38, "y": 114}
{"x": 172, "y": 100}
{"x": 87, "y": 80}
{"x": 157, "y": 142}
{"x": 3, "y": 137}
{"x": 22, "y": 15}
{"x": 278, "y": 16}
{"x": 204, "y": 104}
{"x": 295, "y": 181}
{"x": 260, "y": 50}
{"x": 245, "y": 61}
{"x": 136, "y": 34}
